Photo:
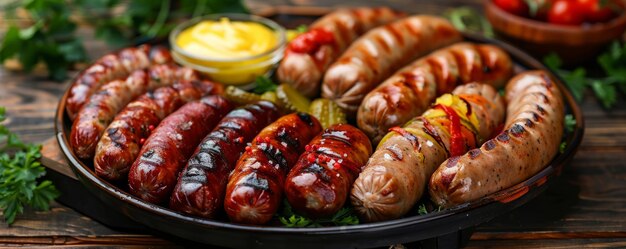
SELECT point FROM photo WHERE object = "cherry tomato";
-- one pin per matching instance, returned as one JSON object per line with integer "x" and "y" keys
{"x": 592, "y": 11}
{"x": 565, "y": 12}
{"x": 515, "y": 7}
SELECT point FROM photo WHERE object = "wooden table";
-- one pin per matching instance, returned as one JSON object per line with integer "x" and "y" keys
{"x": 585, "y": 207}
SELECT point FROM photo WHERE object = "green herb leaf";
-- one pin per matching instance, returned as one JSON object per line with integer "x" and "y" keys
{"x": 467, "y": 19}
{"x": 570, "y": 122}
{"x": 264, "y": 84}
{"x": 19, "y": 172}
{"x": 605, "y": 92}
{"x": 562, "y": 147}
{"x": 553, "y": 61}
{"x": 343, "y": 217}
{"x": 421, "y": 209}
{"x": 302, "y": 28}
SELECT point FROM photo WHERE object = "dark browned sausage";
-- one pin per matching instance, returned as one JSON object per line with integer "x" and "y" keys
{"x": 111, "y": 67}
{"x": 103, "y": 105}
{"x": 119, "y": 146}
{"x": 309, "y": 55}
{"x": 153, "y": 175}
{"x": 319, "y": 183}
{"x": 201, "y": 185}
{"x": 255, "y": 188}
{"x": 533, "y": 131}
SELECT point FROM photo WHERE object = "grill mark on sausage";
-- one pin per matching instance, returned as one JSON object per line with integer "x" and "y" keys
{"x": 273, "y": 154}
{"x": 474, "y": 153}
{"x": 251, "y": 180}
{"x": 490, "y": 145}
{"x": 396, "y": 34}
{"x": 430, "y": 130}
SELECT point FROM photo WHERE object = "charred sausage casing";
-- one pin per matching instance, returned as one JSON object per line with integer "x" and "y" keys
{"x": 255, "y": 188}
{"x": 396, "y": 175}
{"x": 411, "y": 90}
{"x": 531, "y": 137}
{"x": 104, "y": 104}
{"x": 319, "y": 183}
{"x": 309, "y": 55}
{"x": 153, "y": 175}
{"x": 380, "y": 52}
{"x": 111, "y": 67}
{"x": 201, "y": 185}
{"x": 120, "y": 143}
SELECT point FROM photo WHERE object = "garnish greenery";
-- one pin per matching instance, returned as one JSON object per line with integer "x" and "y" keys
{"x": 264, "y": 84}
{"x": 422, "y": 210}
{"x": 570, "y": 123}
{"x": 48, "y": 39}
{"x": 469, "y": 20}
{"x": 19, "y": 171}
{"x": 605, "y": 88}
{"x": 343, "y": 217}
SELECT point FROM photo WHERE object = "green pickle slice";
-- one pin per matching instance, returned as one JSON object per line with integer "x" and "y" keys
{"x": 327, "y": 112}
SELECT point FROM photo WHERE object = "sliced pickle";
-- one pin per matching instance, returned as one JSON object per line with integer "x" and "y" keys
{"x": 327, "y": 112}
{"x": 240, "y": 97}
{"x": 292, "y": 99}
{"x": 270, "y": 96}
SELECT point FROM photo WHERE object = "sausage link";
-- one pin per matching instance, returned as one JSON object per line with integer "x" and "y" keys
{"x": 153, "y": 175}
{"x": 397, "y": 173}
{"x": 318, "y": 185}
{"x": 111, "y": 67}
{"x": 255, "y": 188}
{"x": 102, "y": 107}
{"x": 533, "y": 131}
{"x": 309, "y": 55}
{"x": 201, "y": 185}
{"x": 120, "y": 143}
{"x": 410, "y": 91}
{"x": 381, "y": 51}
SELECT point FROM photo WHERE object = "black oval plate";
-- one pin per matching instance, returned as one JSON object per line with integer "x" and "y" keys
{"x": 408, "y": 229}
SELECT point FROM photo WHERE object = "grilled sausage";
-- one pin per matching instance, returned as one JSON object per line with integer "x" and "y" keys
{"x": 381, "y": 51}
{"x": 111, "y": 67}
{"x": 96, "y": 115}
{"x": 533, "y": 131}
{"x": 255, "y": 188}
{"x": 309, "y": 55}
{"x": 319, "y": 183}
{"x": 201, "y": 185}
{"x": 397, "y": 173}
{"x": 153, "y": 175}
{"x": 410, "y": 91}
{"x": 119, "y": 146}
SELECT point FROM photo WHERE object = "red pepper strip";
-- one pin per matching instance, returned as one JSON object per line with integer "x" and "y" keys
{"x": 457, "y": 144}
{"x": 309, "y": 42}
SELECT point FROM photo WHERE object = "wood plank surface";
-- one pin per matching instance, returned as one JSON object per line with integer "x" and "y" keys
{"x": 584, "y": 208}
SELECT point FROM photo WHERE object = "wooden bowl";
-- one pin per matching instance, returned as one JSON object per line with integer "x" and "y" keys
{"x": 574, "y": 44}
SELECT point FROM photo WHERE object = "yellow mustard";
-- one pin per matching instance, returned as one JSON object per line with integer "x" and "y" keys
{"x": 224, "y": 39}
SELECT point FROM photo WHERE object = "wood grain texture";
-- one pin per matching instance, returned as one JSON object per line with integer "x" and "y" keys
{"x": 585, "y": 207}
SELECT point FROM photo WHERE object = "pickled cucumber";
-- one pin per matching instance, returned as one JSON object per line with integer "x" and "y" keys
{"x": 292, "y": 99}
{"x": 327, "y": 112}
{"x": 270, "y": 96}
{"x": 241, "y": 97}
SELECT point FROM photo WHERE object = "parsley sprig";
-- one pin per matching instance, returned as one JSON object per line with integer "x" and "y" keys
{"x": 613, "y": 64}
{"x": 343, "y": 217}
{"x": 19, "y": 171}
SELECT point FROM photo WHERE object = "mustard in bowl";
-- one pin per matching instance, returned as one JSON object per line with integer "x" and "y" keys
{"x": 229, "y": 48}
